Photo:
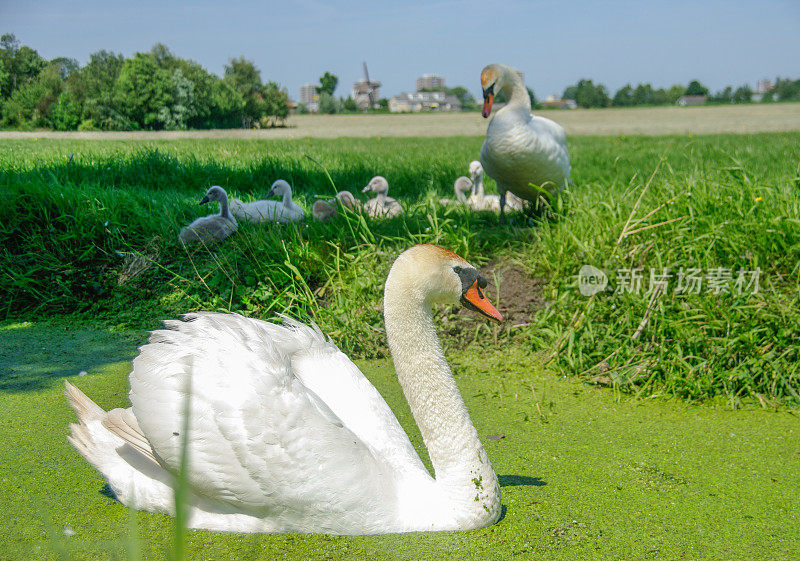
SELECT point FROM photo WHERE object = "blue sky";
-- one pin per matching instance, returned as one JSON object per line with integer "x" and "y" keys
{"x": 554, "y": 42}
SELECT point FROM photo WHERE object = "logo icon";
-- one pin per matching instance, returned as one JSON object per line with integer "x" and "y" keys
{"x": 591, "y": 280}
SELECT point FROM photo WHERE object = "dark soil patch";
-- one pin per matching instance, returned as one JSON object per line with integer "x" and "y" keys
{"x": 513, "y": 291}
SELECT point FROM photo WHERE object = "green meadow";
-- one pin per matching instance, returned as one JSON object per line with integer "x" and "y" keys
{"x": 654, "y": 419}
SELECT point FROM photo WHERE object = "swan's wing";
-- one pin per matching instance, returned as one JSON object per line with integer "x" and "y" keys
{"x": 261, "y": 211}
{"x": 208, "y": 228}
{"x": 332, "y": 376}
{"x": 545, "y": 126}
{"x": 258, "y": 437}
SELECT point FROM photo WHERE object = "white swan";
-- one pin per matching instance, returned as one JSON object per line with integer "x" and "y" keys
{"x": 287, "y": 435}
{"x": 283, "y": 211}
{"x": 479, "y": 200}
{"x": 521, "y": 149}
{"x": 213, "y": 227}
{"x": 381, "y": 206}
{"x": 326, "y": 210}
{"x": 462, "y": 186}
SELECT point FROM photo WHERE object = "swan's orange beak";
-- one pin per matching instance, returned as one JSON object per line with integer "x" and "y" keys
{"x": 474, "y": 299}
{"x": 488, "y": 99}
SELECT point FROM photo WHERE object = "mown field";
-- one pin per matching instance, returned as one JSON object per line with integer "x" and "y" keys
{"x": 639, "y": 423}
{"x": 710, "y": 119}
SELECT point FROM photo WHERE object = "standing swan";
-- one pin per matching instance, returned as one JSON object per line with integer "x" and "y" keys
{"x": 287, "y": 435}
{"x": 479, "y": 200}
{"x": 381, "y": 206}
{"x": 213, "y": 227}
{"x": 521, "y": 149}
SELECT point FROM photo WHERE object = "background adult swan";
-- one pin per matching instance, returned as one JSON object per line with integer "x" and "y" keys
{"x": 521, "y": 149}
{"x": 287, "y": 435}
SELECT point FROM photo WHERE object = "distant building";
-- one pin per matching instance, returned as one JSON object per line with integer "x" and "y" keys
{"x": 764, "y": 86}
{"x": 423, "y": 101}
{"x": 554, "y": 102}
{"x": 362, "y": 90}
{"x": 430, "y": 82}
{"x": 309, "y": 97}
{"x": 685, "y": 100}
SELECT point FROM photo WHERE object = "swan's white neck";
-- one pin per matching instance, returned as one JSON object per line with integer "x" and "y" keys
{"x": 516, "y": 94}
{"x": 478, "y": 185}
{"x": 461, "y": 465}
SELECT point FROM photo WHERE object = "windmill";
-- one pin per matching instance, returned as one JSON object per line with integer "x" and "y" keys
{"x": 365, "y": 91}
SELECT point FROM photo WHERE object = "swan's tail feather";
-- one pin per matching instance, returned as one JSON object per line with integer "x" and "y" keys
{"x": 86, "y": 409}
{"x": 81, "y": 440}
{"x": 123, "y": 423}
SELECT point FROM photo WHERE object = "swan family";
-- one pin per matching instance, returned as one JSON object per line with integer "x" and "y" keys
{"x": 282, "y": 430}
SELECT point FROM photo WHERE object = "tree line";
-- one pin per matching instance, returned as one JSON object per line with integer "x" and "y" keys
{"x": 588, "y": 94}
{"x": 155, "y": 90}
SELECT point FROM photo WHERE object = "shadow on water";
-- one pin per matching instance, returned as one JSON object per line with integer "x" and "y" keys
{"x": 35, "y": 357}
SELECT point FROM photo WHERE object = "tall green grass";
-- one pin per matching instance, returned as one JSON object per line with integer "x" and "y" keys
{"x": 77, "y": 214}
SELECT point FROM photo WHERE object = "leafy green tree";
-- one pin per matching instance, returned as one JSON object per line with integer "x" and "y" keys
{"x": 329, "y": 104}
{"x": 696, "y": 88}
{"x": 141, "y": 90}
{"x": 30, "y": 105}
{"x": 94, "y": 88}
{"x": 350, "y": 104}
{"x": 276, "y": 105}
{"x": 660, "y": 97}
{"x": 22, "y": 64}
{"x": 675, "y": 92}
{"x": 66, "y": 66}
{"x": 328, "y": 83}
{"x": 587, "y": 94}
{"x": 743, "y": 94}
{"x": 723, "y": 96}
{"x": 227, "y": 106}
{"x": 787, "y": 90}
{"x": 245, "y": 77}
{"x": 5, "y": 79}
{"x": 643, "y": 95}
{"x": 66, "y": 113}
{"x": 464, "y": 96}
{"x": 176, "y": 115}
{"x": 623, "y": 97}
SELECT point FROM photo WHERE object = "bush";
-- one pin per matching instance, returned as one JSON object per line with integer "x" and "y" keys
{"x": 66, "y": 113}
{"x": 87, "y": 125}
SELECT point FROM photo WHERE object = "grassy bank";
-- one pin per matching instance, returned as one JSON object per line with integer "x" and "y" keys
{"x": 89, "y": 230}
{"x": 584, "y": 475}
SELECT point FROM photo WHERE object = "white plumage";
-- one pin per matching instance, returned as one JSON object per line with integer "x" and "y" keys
{"x": 520, "y": 149}
{"x": 283, "y": 211}
{"x": 382, "y": 206}
{"x": 214, "y": 227}
{"x": 461, "y": 187}
{"x": 286, "y": 434}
